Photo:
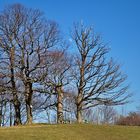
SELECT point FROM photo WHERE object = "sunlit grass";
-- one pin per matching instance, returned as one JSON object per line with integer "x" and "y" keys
{"x": 70, "y": 132}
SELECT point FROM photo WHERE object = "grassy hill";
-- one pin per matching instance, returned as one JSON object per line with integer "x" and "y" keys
{"x": 70, "y": 132}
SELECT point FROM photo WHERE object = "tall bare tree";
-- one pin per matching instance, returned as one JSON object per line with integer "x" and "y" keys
{"x": 98, "y": 80}
{"x": 7, "y": 49}
{"x": 57, "y": 78}
{"x": 29, "y": 36}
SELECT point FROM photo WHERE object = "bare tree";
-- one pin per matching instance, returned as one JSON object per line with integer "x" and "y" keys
{"x": 7, "y": 49}
{"x": 108, "y": 114}
{"x": 98, "y": 80}
{"x": 101, "y": 115}
{"x": 58, "y": 78}
{"x": 29, "y": 67}
{"x": 26, "y": 36}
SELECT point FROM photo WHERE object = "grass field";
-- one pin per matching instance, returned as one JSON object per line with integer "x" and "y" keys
{"x": 70, "y": 132}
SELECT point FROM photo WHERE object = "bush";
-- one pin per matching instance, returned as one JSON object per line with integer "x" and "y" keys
{"x": 133, "y": 119}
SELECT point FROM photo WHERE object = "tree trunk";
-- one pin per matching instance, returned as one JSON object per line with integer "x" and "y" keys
{"x": 79, "y": 116}
{"x": 16, "y": 101}
{"x": 79, "y": 101}
{"x": 1, "y": 107}
{"x": 28, "y": 100}
{"x": 79, "y": 109}
{"x": 48, "y": 116}
{"x": 59, "y": 104}
{"x": 17, "y": 120}
{"x": 10, "y": 114}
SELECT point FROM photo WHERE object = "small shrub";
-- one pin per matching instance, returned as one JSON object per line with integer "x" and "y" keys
{"x": 133, "y": 119}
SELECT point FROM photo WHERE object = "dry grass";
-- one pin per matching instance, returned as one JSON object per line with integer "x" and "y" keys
{"x": 70, "y": 132}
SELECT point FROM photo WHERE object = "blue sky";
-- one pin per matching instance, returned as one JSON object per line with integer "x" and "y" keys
{"x": 118, "y": 22}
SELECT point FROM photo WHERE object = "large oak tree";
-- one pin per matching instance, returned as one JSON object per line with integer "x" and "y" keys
{"x": 98, "y": 80}
{"x": 25, "y": 37}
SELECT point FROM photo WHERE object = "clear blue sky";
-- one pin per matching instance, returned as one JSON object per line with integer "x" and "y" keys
{"x": 118, "y": 21}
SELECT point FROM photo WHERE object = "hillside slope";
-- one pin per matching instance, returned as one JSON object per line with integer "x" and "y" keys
{"x": 70, "y": 132}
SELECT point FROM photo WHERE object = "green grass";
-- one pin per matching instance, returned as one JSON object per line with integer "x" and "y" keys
{"x": 70, "y": 132}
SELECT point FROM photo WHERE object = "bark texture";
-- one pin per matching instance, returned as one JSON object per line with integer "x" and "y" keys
{"x": 59, "y": 104}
